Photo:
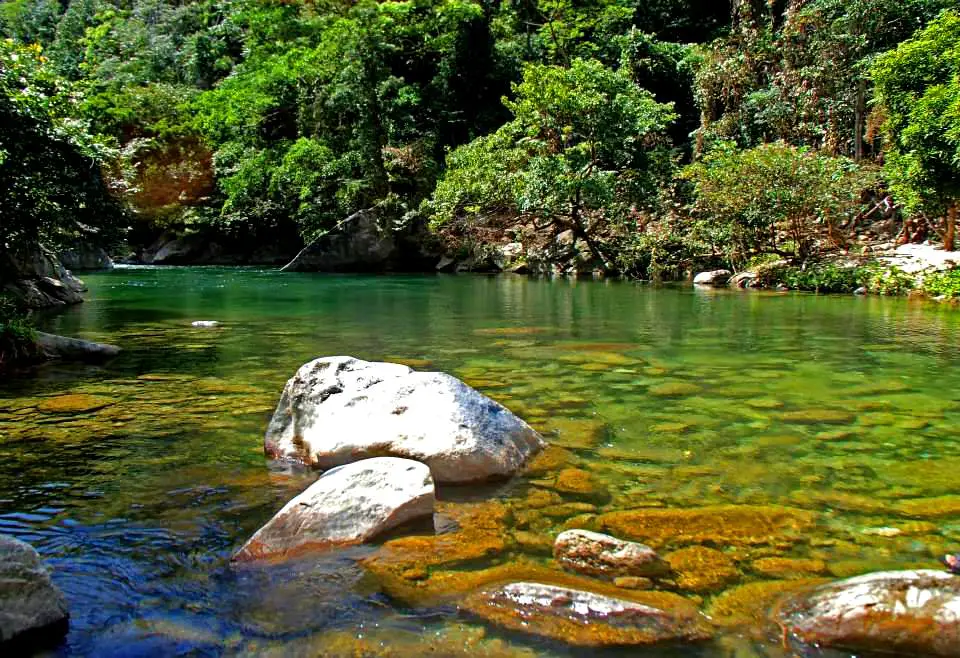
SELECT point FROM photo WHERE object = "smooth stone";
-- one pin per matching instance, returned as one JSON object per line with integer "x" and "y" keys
{"x": 33, "y": 611}
{"x": 337, "y": 410}
{"x": 713, "y": 278}
{"x": 898, "y": 612}
{"x": 348, "y": 505}
{"x": 586, "y": 619}
{"x": 205, "y": 324}
{"x": 596, "y": 554}
{"x": 73, "y": 403}
{"x": 74, "y": 349}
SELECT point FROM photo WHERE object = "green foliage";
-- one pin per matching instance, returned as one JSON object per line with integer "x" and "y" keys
{"x": 919, "y": 91}
{"x": 584, "y": 150}
{"x": 774, "y": 198}
{"x": 943, "y": 284}
{"x": 17, "y": 336}
{"x": 50, "y": 176}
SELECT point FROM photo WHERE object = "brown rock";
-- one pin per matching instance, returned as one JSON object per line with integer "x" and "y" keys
{"x": 736, "y": 525}
{"x": 749, "y": 605}
{"x": 584, "y": 618}
{"x": 595, "y": 554}
{"x": 702, "y": 569}
{"x": 896, "y": 612}
{"x": 788, "y": 568}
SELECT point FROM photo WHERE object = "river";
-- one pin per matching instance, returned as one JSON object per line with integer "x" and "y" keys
{"x": 137, "y": 479}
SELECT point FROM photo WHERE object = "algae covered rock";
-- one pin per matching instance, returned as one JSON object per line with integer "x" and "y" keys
{"x": 587, "y": 619}
{"x": 348, "y": 505}
{"x": 736, "y": 525}
{"x": 750, "y": 604}
{"x": 33, "y": 611}
{"x": 702, "y": 569}
{"x": 898, "y": 612}
{"x": 595, "y": 554}
{"x": 337, "y": 410}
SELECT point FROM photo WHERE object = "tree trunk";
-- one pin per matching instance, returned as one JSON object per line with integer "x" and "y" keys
{"x": 948, "y": 238}
{"x": 860, "y": 114}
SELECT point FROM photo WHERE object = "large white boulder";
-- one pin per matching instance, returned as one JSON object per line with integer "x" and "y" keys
{"x": 346, "y": 505}
{"x": 33, "y": 612}
{"x": 339, "y": 409}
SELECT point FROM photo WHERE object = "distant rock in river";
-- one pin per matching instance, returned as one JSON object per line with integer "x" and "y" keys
{"x": 339, "y": 409}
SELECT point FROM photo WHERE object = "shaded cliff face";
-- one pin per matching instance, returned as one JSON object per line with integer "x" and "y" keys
{"x": 37, "y": 276}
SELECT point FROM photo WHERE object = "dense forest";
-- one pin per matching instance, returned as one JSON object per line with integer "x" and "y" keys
{"x": 644, "y": 138}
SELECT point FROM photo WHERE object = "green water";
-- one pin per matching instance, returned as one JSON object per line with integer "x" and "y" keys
{"x": 138, "y": 488}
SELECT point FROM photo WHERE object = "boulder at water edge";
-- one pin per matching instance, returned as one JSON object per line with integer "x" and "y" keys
{"x": 897, "y": 612}
{"x": 347, "y": 505}
{"x": 595, "y": 554}
{"x": 339, "y": 409}
{"x": 33, "y": 612}
{"x": 713, "y": 278}
{"x": 587, "y": 619}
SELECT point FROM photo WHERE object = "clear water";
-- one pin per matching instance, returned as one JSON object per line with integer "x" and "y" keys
{"x": 138, "y": 490}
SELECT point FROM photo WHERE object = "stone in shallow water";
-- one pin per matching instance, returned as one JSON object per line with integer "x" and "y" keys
{"x": 674, "y": 389}
{"x": 788, "y": 568}
{"x": 736, "y": 525}
{"x": 33, "y": 611}
{"x": 702, "y": 569}
{"x": 337, "y": 410}
{"x": 749, "y": 605}
{"x": 347, "y": 505}
{"x": 73, "y": 403}
{"x": 899, "y": 612}
{"x": 595, "y": 554}
{"x": 586, "y": 619}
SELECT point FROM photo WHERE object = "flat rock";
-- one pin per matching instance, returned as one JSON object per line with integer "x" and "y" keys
{"x": 586, "y": 619}
{"x": 74, "y": 349}
{"x": 596, "y": 554}
{"x": 896, "y": 612}
{"x": 713, "y": 278}
{"x": 339, "y": 409}
{"x": 347, "y": 505}
{"x": 33, "y": 611}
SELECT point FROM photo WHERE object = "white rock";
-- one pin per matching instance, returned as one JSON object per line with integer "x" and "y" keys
{"x": 596, "y": 554}
{"x": 713, "y": 278}
{"x": 205, "y": 324}
{"x": 339, "y": 409}
{"x": 347, "y": 505}
{"x": 29, "y": 601}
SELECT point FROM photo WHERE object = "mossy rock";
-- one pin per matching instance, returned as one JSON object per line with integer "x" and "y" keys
{"x": 789, "y": 568}
{"x": 576, "y": 433}
{"x": 815, "y": 416}
{"x": 930, "y": 508}
{"x": 750, "y": 605}
{"x": 719, "y": 525}
{"x": 702, "y": 569}
{"x": 551, "y": 460}
{"x": 674, "y": 389}
{"x": 73, "y": 403}
{"x": 764, "y": 403}
{"x": 583, "y": 484}
{"x": 451, "y": 641}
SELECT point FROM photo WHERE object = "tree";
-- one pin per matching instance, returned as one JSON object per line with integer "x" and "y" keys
{"x": 774, "y": 199}
{"x": 584, "y": 149}
{"x": 918, "y": 88}
{"x": 50, "y": 165}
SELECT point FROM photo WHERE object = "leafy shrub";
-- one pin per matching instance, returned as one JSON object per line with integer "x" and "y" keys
{"x": 17, "y": 337}
{"x": 943, "y": 284}
{"x": 775, "y": 199}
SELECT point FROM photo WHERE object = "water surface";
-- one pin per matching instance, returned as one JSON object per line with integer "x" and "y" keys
{"x": 137, "y": 479}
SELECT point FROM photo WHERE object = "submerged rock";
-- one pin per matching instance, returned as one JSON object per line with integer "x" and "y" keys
{"x": 347, "y": 505}
{"x": 74, "y": 349}
{"x": 898, "y": 612}
{"x": 702, "y": 569}
{"x": 713, "y": 278}
{"x": 586, "y": 619}
{"x": 337, "y": 410}
{"x": 734, "y": 525}
{"x": 595, "y": 554}
{"x": 33, "y": 611}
